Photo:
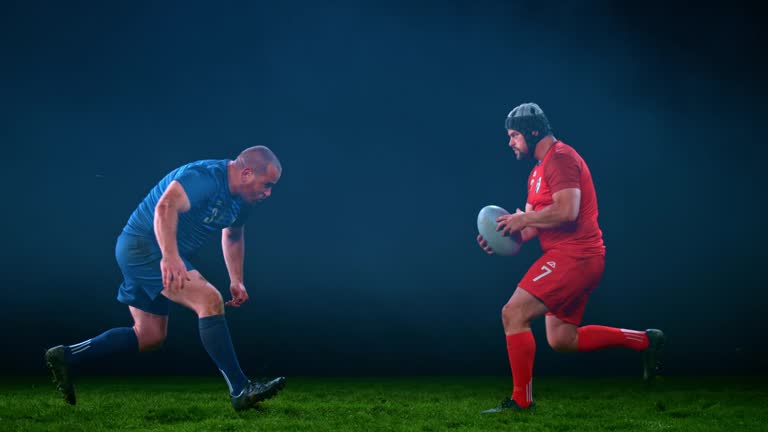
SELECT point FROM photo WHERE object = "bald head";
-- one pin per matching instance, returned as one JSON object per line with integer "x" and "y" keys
{"x": 258, "y": 158}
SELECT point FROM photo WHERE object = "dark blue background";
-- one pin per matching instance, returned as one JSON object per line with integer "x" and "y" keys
{"x": 388, "y": 120}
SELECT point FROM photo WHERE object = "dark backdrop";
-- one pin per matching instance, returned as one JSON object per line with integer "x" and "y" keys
{"x": 388, "y": 120}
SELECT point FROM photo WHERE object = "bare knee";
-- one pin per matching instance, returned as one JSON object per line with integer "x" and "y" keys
{"x": 514, "y": 318}
{"x": 211, "y": 303}
{"x": 520, "y": 310}
{"x": 562, "y": 341}
{"x": 507, "y": 313}
{"x": 199, "y": 295}
{"x": 150, "y": 338}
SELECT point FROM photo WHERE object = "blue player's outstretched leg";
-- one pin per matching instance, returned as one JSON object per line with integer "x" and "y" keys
{"x": 61, "y": 359}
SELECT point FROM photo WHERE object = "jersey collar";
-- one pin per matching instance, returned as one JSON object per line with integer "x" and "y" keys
{"x": 549, "y": 150}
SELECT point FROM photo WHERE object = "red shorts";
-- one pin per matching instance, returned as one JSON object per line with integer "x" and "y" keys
{"x": 563, "y": 283}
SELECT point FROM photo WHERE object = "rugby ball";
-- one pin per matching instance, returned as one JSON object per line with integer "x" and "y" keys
{"x": 486, "y": 226}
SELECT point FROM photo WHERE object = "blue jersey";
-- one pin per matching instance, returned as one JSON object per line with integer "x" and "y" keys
{"x": 213, "y": 207}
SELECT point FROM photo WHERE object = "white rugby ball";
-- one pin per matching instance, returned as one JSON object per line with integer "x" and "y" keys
{"x": 486, "y": 226}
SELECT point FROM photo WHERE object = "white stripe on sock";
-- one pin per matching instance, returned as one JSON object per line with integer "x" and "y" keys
{"x": 78, "y": 345}
{"x": 529, "y": 392}
{"x": 79, "y": 350}
{"x": 632, "y": 332}
{"x": 229, "y": 384}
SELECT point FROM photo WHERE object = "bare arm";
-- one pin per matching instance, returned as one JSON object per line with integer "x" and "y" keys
{"x": 564, "y": 210}
{"x": 233, "y": 247}
{"x": 529, "y": 233}
{"x": 173, "y": 202}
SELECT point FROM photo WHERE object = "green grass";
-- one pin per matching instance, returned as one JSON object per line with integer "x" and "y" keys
{"x": 383, "y": 404}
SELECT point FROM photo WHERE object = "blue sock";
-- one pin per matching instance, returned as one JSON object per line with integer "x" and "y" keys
{"x": 214, "y": 334}
{"x": 112, "y": 341}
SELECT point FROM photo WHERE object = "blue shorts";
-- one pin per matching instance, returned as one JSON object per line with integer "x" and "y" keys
{"x": 139, "y": 260}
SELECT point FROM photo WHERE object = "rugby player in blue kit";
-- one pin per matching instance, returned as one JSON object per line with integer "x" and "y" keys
{"x": 172, "y": 222}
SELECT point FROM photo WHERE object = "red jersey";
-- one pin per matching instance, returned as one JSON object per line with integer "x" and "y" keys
{"x": 563, "y": 168}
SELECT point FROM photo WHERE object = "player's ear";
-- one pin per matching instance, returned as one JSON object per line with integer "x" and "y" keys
{"x": 246, "y": 174}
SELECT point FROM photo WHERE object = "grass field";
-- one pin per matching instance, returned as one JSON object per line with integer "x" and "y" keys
{"x": 384, "y": 404}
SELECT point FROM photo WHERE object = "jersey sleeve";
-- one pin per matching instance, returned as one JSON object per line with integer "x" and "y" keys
{"x": 562, "y": 171}
{"x": 199, "y": 185}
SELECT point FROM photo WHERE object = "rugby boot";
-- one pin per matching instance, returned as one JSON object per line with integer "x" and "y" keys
{"x": 255, "y": 392}
{"x": 652, "y": 354}
{"x": 508, "y": 405}
{"x": 56, "y": 360}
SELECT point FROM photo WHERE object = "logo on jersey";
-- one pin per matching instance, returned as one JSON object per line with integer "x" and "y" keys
{"x": 552, "y": 264}
{"x": 214, "y": 212}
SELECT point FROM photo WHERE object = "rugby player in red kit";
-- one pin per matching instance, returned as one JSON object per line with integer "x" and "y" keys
{"x": 561, "y": 210}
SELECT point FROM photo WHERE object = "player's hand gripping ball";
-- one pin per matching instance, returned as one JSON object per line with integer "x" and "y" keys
{"x": 486, "y": 226}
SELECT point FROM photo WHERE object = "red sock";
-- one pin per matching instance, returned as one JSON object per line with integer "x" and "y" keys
{"x": 595, "y": 337}
{"x": 521, "y": 348}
